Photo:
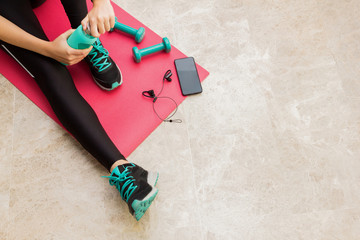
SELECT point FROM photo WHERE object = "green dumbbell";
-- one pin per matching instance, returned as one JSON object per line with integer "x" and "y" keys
{"x": 137, "y": 33}
{"x": 138, "y": 54}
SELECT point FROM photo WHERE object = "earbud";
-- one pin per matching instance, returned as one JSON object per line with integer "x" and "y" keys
{"x": 168, "y": 75}
{"x": 149, "y": 94}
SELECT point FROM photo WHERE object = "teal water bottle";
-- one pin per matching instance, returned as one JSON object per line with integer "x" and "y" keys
{"x": 81, "y": 39}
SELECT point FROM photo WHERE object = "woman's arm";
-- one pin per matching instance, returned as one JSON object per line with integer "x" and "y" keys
{"x": 57, "y": 49}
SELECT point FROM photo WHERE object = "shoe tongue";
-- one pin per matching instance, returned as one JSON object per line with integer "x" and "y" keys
{"x": 124, "y": 166}
{"x": 119, "y": 169}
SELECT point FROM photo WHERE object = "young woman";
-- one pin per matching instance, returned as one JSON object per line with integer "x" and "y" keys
{"x": 22, "y": 37}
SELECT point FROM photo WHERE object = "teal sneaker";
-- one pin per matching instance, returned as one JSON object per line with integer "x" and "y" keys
{"x": 136, "y": 187}
{"x": 104, "y": 70}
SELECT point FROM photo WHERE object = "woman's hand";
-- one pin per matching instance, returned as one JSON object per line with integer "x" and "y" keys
{"x": 62, "y": 52}
{"x": 101, "y": 18}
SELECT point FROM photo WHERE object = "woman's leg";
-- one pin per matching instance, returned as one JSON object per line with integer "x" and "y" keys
{"x": 75, "y": 10}
{"x": 53, "y": 78}
{"x": 136, "y": 185}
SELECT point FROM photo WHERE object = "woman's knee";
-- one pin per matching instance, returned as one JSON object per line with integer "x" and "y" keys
{"x": 36, "y": 3}
{"x": 53, "y": 76}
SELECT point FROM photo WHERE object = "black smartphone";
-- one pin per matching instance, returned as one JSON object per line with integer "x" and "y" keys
{"x": 188, "y": 76}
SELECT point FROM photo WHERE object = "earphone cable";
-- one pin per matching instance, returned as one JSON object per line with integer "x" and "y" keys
{"x": 156, "y": 97}
{"x": 171, "y": 115}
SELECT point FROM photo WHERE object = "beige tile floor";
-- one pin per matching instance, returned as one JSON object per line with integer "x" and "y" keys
{"x": 269, "y": 150}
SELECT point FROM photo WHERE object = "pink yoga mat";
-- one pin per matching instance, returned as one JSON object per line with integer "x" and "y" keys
{"x": 126, "y": 115}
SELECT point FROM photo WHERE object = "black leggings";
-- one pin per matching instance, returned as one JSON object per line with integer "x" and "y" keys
{"x": 55, "y": 81}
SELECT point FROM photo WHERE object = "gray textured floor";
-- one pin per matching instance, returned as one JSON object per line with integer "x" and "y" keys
{"x": 269, "y": 150}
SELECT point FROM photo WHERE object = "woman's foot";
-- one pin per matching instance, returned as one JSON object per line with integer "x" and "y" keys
{"x": 136, "y": 187}
{"x": 104, "y": 70}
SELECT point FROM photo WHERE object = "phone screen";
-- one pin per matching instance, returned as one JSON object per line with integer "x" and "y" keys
{"x": 188, "y": 76}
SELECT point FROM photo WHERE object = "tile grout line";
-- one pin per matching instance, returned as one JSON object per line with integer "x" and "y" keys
{"x": 191, "y": 155}
{"x": 11, "y": 156}
{"x": 193, "y": 173}
{"x": 189, "y": 145}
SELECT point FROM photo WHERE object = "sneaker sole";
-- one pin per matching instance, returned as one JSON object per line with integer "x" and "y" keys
{"x": 109, "y": 89}
{"x": 140, "y": 206}
{"x": 152, "y": 178}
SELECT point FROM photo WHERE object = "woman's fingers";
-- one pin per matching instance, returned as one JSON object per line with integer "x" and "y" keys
{"x": 112, "y": 21}
{"x": 94, "y": 28}
{"x": 76, "y": 55}
{"x": 101, "y": 26}
{"x": 107, "y": 25}
{"x": 85, "y": 22}
{"x": 67, "y": 33}
{"x": 80, "y": 52}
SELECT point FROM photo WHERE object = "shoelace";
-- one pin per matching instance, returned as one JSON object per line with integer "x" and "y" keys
{"x": 99, "y": 56}
{"x": 128, "y": 182}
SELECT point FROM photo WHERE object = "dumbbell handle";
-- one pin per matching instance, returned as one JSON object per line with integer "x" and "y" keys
{"x": 125, "y": 28}
{"x": 152, "y": 49}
